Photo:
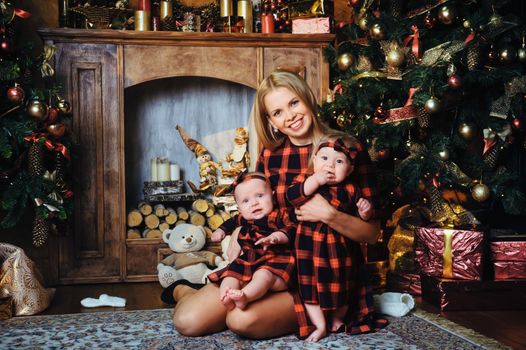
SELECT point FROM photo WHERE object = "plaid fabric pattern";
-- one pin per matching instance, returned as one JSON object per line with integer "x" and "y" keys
{"x": 281, "y": 167}
{"x": 278, "y": 259}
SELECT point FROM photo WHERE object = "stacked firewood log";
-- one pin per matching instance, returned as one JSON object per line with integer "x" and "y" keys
{"x": 149, "y": 221}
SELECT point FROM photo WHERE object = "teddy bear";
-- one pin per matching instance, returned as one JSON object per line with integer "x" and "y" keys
{"x": 187, "y": 261}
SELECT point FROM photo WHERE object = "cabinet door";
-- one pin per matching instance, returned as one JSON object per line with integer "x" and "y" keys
{"x": 309, "y": 61}
{"x": 91, "y": 79}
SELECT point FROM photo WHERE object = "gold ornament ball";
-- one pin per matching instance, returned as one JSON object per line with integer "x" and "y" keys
{"x": 340, "y": 120}
{"x": 395, "y": 58}
{"x": 345, "y": 60}
{"x": 432, "y": 105}
{"x": 64, "y": 106}
{"x": 444, "y": 155}
{"x": 466, "y": 24}
{"x": 377, "y": 31}
{"x": 507, "y": 54}
{"x": 447, "y": 14}
{"x": 480, "y": 192}
{"x": 57, "y": 130}
{"x": 521, "y": 54}
{"x": 466, "y": 131}
{"x": 363, "y": 22}
{"x": 37, "y": 110}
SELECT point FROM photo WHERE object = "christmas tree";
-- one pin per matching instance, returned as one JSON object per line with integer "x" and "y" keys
{"x": 437, "y": 91}
{"x": 34, "y": 139}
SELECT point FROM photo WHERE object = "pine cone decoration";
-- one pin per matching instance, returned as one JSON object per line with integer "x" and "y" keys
{"x": 60, "y": 165}
{"x": 423, "y": 117}
{"x": 473, "y": 57}
{"x": 436, "y": 200}
{"x": 40, "y": 231}
{"x": 36, "y": 159}
{"x": 491, "y": 156}
{"x": 397, "y": 8}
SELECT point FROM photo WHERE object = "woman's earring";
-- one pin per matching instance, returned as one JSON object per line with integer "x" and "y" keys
{"x": 275, "y": 130}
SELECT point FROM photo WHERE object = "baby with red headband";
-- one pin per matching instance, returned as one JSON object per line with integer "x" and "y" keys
{"x": 323, "y": 256}
{"x": 267, "y": 262}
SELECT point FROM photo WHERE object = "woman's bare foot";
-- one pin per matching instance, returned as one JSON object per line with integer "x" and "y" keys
{"x": 239, "y": 298}
{"x": 318, "y": 334}
{"x": 226, "y": 300}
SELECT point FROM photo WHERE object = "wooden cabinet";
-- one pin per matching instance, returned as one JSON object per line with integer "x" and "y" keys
{"x": 94, "y": 67}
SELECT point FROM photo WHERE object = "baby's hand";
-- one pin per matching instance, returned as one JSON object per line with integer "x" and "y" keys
{"x": 323, "y": 177}
{"x": 272, "y": 239}
{"x": 218, "y": 235}
{"x": 365, "y": 209}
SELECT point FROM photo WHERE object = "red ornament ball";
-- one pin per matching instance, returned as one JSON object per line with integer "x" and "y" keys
{"x": 430, "y": 21}
{"x": 52, "y": 116}
{"x": 516, "y": 123}
{"x": 454, "y": 82}
{"x": 16, "y": 94}
{"x": 383, "y": 153}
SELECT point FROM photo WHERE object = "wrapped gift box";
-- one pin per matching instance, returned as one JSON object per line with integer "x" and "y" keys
{"x": 508, "y": 254}
{"x": 311, "y": 8}
{"x": 404, "y": 283}
{"x": 449, "y": 253}
{"x": 454, "y": 295}
{"x": 321, "y": 25}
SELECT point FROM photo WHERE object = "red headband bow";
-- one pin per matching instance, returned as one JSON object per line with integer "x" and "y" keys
{"x": 339, "y": 146}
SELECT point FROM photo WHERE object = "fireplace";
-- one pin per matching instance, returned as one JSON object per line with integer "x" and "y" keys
{"x": 117, "y": 82}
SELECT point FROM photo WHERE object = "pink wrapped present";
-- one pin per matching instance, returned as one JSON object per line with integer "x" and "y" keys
{"x": 509, "y": 270}
{"x": 320, "y": 25}
{"x": 508, "y": 250}
{"x": 449, "y": 253}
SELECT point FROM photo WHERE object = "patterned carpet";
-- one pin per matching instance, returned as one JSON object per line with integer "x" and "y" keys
{"x": 152, "y": 329}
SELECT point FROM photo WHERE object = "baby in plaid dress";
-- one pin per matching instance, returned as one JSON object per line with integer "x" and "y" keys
{"x": 266, "y": 262}
{"x": 323, "y": 256}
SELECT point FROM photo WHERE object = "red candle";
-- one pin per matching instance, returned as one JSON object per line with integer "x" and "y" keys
{"x": 267, "y": 23}
{"x": 144, "y": 5}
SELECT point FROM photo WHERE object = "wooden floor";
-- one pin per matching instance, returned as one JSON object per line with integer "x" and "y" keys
{"x": 508, "y": 327}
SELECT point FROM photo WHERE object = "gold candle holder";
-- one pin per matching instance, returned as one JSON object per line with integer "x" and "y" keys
{"x": 142, "y": 21}
{"x": 166, "y": 9}
{"x": 226, "y": 8}
{"x": 244, "y": 9}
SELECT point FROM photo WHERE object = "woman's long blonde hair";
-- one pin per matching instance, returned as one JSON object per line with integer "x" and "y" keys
{"x": 296, "y": 84}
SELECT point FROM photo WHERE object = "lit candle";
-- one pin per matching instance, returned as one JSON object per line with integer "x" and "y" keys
{"x": 175, "y": 172}
{"x": 226, "y": 8}
{"x": 153, "y": 169}
{"x": 163, "y": 170}
{"x": 166, "y": 9}
{"x": 267, "y": 23}
{"x": 244, "y": 9}
{"x": 144, "y": 5}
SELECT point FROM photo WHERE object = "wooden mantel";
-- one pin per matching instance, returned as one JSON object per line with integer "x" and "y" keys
{"x": 94, "y": 67}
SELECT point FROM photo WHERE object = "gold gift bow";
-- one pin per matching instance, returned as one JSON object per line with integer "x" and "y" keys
{"x": 447, "y": 270}
{"x": 46, "y": 69}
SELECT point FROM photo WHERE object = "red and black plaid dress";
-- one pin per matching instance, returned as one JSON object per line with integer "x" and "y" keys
{"x": 278, "y": 258}
{"x": 323, "y": 256}
{"x": 281, "y": 166}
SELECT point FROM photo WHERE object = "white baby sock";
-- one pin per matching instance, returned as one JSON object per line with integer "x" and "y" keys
{"x": 394, "y": 304}
{"x": 103, "y": 300}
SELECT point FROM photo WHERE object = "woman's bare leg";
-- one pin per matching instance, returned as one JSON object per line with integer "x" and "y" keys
{"x": 269, "y": 317}
{"x": 198, "y": 312}
{"x": 337, "y": 318}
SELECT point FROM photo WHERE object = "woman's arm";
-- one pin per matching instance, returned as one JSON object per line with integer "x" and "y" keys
{"x": 352, "y": 227}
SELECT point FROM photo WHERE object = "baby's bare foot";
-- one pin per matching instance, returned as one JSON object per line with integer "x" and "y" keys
{"x": 336, "y": 324}
{"x": 226, "y": 300}
{"x": 239, "y": 298}
{"x": 317, "y": 335}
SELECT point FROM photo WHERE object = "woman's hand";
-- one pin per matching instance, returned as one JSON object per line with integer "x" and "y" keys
{"x": 315, "y": 209}
{"x": 234, "y": 249}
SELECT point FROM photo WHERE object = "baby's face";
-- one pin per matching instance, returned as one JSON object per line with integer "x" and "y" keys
{"x": 334, "y": 162}
{"x": 254, "y": 199}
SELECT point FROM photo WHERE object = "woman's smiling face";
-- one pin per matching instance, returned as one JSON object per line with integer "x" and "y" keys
{"x": 290, "y": 115}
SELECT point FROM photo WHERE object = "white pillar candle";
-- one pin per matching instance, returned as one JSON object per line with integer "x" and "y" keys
{"x": 153, "y": 169}
{"x": 175, "y": 172}
{"x": 163, "y": 170}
